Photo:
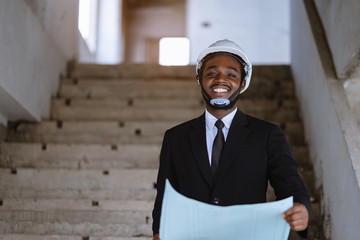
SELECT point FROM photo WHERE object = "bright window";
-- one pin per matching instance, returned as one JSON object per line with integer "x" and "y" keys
{"x": 87, "y": 22}
{"x": 174, "y": 51}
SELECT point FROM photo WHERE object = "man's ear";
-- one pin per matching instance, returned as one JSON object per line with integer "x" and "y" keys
{"x": 198, "y": 80}
{"x": 243, "y": 85}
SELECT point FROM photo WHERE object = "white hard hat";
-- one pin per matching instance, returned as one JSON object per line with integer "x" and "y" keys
{"x": 226, "y": 46}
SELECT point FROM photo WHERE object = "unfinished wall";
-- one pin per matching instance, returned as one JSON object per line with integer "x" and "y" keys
{"x": 262, "y": 28}
{"x": 59, "y": 20}
{"x": 330, "y": 128}
{"x": 36, "y": 40}
{"x": 342, "y": 26}
{"x": 148, "y": 24}
{"x": 352, "y": 88}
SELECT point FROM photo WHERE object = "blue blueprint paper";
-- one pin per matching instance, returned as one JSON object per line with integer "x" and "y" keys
{"x": 183, "y": 218}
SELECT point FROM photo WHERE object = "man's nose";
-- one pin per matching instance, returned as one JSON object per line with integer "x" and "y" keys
{"x": 220, "y": 78}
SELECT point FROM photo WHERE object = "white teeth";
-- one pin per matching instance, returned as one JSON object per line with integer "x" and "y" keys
{"x": 220, "y": 90}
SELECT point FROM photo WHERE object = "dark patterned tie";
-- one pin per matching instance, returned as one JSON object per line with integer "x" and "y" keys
{"x": 218, "y": 145}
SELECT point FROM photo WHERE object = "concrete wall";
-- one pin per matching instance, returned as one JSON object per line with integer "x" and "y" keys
{"x": 330, "y": 129}
{"x": 3, "y": 133}
{"x": 342, "y": 26}
{"x": 262, "y": 28}
{"x": 148, "y": 24}
{"x": 59, "y": 20}
{"x": 352, "y": 88}
{"x": 35, "y": 44}
{"x": 84, "y": 53}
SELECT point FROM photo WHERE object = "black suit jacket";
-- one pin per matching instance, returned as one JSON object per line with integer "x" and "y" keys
{"x": 255, "y": 152}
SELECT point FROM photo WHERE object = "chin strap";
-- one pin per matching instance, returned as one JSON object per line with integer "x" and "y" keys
{"x": 220, "y": 103}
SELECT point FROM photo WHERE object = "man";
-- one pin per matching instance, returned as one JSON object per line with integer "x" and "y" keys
{"x": 225, "y": 157}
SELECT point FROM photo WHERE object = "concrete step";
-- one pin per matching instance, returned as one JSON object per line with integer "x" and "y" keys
{"x": 157, "y": 71}
{"x": 246, "y": 105}
{"x": 261, "y": 87}
{"x": 122, "y": 102}
{"x": 81, "y": 180}
{"x": 294, "y": 132}
{"x": 77, "y": 212}
{"x": 64, "y": 237}
{"x": 93, "y": 156}
{"x": 76, "y": 205}
{"x": 130, "y": 89}
{"x": 79, "y": 156}
{"x": 301, "y": 155}
{"x": 309, "y": 179}
{"x": 99, "y": 194}
{"x": 163, "y": 113}
{"x": 68, "y": 227}
{"x": 129, "y": 113}
{"x": 131, "y": 71}
{"x": 103, "y": 132}
{"x": 108, "y": 132}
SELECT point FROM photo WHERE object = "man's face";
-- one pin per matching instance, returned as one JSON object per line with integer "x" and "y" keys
{"x": 221, "y": 76}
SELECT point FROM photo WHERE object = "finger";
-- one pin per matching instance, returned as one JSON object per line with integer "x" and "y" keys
{"x": 295, "y": 221}
{"x": 296, "y": 210}
{"x": 296, "y": 218}
{"x": 297, "y": 215}
{"x": 299, "y": 227}
{"x": 289, "y": 211}
{"x": 297, "y": 224}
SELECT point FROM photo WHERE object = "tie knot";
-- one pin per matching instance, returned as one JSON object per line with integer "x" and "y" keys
{"x": 219, "y": 124}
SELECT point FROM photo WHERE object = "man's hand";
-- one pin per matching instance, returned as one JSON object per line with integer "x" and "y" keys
{"x": 156, "y": 237}
{"x": 297, "y": 217}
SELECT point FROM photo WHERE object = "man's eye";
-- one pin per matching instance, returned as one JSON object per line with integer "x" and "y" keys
{"x": 211, "y": 74}
{"x": 231, "y": 75}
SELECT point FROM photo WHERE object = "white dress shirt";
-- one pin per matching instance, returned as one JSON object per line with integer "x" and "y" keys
{"x": 211, "y": 129}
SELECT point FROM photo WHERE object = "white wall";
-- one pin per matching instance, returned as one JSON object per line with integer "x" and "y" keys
{"x": 342, "y": 26}
{"x": 261, "y": 28}
{"x": 30, "y": 61}
{"x": 154, "y": 22}
{"x": 352, "y": 88}
{"x": 84, "y": 53}
{"x": 330, "y": 128}
{"x": 109, "y": 47}
{"x": 59, "y": 20}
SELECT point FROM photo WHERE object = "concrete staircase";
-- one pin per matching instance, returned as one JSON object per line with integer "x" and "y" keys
{"x": 89, "y": 172}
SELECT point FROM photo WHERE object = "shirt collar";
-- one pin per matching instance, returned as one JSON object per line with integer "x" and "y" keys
{"x": 227, "y": 120}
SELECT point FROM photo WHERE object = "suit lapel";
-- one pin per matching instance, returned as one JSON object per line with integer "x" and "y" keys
{"x": 197, "y": 139}
{"x": 236, "y": 137}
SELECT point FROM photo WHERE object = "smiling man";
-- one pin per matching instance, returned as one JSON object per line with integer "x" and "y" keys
{"x": 226, "y": 157}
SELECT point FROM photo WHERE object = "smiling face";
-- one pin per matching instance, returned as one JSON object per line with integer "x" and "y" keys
{"x": 221, "y": 76}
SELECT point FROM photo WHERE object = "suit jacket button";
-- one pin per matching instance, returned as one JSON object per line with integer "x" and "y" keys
{"x": 216, "y": 201}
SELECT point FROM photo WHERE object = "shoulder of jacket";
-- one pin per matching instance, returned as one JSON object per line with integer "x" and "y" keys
{"x": 185, "y": 125}
{"x": 256, "y": 122}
